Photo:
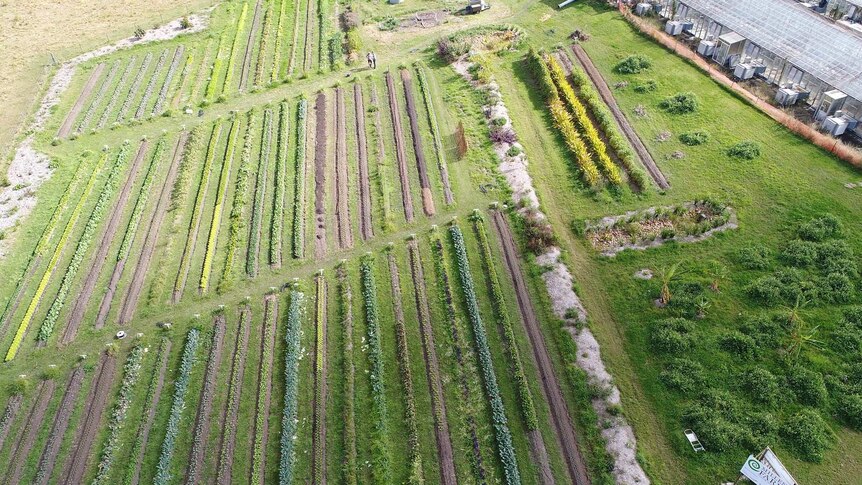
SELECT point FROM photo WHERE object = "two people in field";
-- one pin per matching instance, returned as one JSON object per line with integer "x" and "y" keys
{"x": 372, "y": 60}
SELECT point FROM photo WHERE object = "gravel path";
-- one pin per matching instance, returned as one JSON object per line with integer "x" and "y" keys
{"x": 416, "y": 135}
{"x": 58, "y": 429}
{"x": 400, "y": 154}
{"x": 366, "y": 229}
{"x": 28, "y": 434}
{"x": 66, "y": 127}
{"x": 320, "y": 176}
{"x": 227, "y": 445}
{"x": 342, "y": 198}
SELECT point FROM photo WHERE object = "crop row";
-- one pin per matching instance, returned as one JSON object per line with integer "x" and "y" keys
{"x": 275, "y": 240}
{"x": 166, "y": 85}
{"x": 233, "y": 51}
{"x": 90, "y": 228}
{"x": 97, "y": 100}
{"x": 131, "y": 373}
{"x": 345, "y": 297}
{"x": 259, "y": 194}
{"x": 264, "y": 40}
{"x": 299, "y": 181}
{"x": 141, "y": 202}
{"x": 563, "y": 121}
{"x": 115, "y": 94}
{"x": 52, "y": 264}
{"x": 151, "y": 84}
{"x": 202, "y": 419}
{"x": 181, "y": 387}
{"x": 215, "y": 72}
{"x": 263, "y": 392}
{"x": 291, "y": 388}
{"x": 439, "y": 151}
{"x": 133, "y": 89}
{"x": 279, "y": 34}
{"x": 319, "y": 417}
{"x": 184, "y": 79}
{"x": 237, "y": 371}
{"x": 221, "y": 194}
{"x": 180, "y": 190}
{"x": 240, "y": 196}
{"x": 498, "y": 413}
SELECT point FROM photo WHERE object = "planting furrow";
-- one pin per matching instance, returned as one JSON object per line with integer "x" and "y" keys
{"x": 249, "y": 46}
{"x": 445, "y": 453}
{"x": 115, "y": 94}
{"x": 366, "y": 229}
{"x": 9, "y": 414}
{"x": 97, "y": 99}
{"x": 383, "y": 178}
{"x": 83, "y": 246}
{"x": 181, "y": 389}
{"x": 133, "y": 90}
{"x": 287, "y": 450}
{"x": 58, "y": 429}
{"x": 66, "y": 127}
{"x": 166, "y": 85}
{"x": 349, "y": 371}
{"x": 227, "y": 444}
{"x": 439, "y": 151}
{"x": 195, "y": 222}
{"x": 466, "y": 406}
{"x": 320, "y": 134}
{"x": 154, "y": 394}
{"x": 130, "y": 302}
{"x": 400, "y": 154}
{"x": 201, "y": 431}
{"x": 237, "y": 212}
{"x": 264, "y": 391}
{"x": 416, "y": 135}
{"x": 635, "y": 141}
{"x": 151, "y": 84}
{"x": 553, "y": 395}
{"x": 298, "y": 243}
{"x": 309, "y": 28}
{"x": 251, "y": 263}
{"x": 416, "y": 475}
{"x": 221, "y": 194}
{"x": 276, "y": 229}
{"x": 28, "y": 433}
{"x": 117, "y": 417}
{"x": 83, "y": 298}
{"x": 342, "y": 198}
{"x": 318, "y": 419}
{"x": 88, "y": 429}
{"x": 489, "y": 376}
{"x": 55, "y": 257}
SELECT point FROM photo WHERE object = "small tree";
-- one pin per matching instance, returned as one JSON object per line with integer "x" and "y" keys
{"x": 185, "y": 23}
{"x": 668, "y": 275}
{"x": 717, "y": 273}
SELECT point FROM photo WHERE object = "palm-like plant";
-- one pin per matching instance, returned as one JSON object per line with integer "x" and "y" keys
{"x": 801, "y": 337}
{"x": 717, "y": 273}
{"x": 668, "y": 275}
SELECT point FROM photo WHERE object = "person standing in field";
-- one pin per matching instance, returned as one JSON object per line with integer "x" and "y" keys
{"x": 370, "y": 58}
{"x": 373, "y": 61}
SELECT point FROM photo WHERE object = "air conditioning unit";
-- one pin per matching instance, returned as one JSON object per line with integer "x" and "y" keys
{"x": 835, "y": 125}
{"x": 673, "y": 27}
{"x": 706, "y": 48}
{"x": 687, "y": 25}
{"x": 743, "y": 71}
{"x": 786, "y": 97}
{"x": 643, "y": 8}
{"x": 831, "y": 102}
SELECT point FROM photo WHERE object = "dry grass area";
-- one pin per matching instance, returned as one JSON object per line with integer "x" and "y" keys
{"x": 33, "y": 30}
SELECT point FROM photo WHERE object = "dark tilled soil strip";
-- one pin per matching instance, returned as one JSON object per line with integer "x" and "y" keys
{"x": 607, "y": 96}
{"x": 202, "y": 420}
{"x": 227, "y": 445}
{"x": 342, "y": 205}
{"x": 366, "y": 230}
{"x": 432, "y": 369}
{"x": 152, "y": 406}
{"x": 553, "y": 395}
{"x": 18, "y": 458}
{"x": 318, "y": 438}
{"x": 424, "y": 182}
{"x": 320, "y": 176}
{"x": 130, "y": 303}
{"x": 97, "y": 401}
{"x": 66, "y": 127}
{"x": 61, "y": 423}
{"x": 252, "y": 33}
{"x": 83, "y": 298}
{"x": 9, "y": 413}
{"x": 267, "y": 341}
{"x": 395, "y": 114}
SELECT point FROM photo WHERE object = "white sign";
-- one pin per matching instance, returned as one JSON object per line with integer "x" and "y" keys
{"x": 761, "y": 473}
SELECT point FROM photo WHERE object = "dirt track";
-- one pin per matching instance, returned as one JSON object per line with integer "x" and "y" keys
{"x": 366, "y": 229}
{"x": 416, "y": 135}
{"x": 130, "y": 303}
{"x": 152, "y": 406}
{"x": 88, "y": 429}
{"x": 58, "y": 429}
{"x": 28, "y": 434}
{"x": 318, "y": 437}
{"x": 342, "y": 198}
{"x": 66, "y": 127}
{"x": 552, "y": 393}
{"x": 400, "y": 155}
{"x": 110, "y": 230}
{"x": 202, "y": 419}
{"x": 252, "y": 33}
{"x": 628, "y": 131}
{"x": 432, "y": 369}
{"x": 227, "y": 444}
{"x": 320, "y": 176}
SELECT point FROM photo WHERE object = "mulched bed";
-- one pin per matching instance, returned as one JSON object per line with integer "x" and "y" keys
{"x": 400, "y": 154}
{"x": 342, "y": 198}
{"x": 424, "y": 182}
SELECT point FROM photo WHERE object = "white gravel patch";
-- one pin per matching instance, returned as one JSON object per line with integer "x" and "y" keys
{"x": 29, "y": 168}
{"x": 620, "y": 441}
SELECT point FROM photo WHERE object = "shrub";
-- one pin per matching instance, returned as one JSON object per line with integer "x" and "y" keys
{"x": 716, "y": 418}
{"x": 680, "y": 103}
{"x": 850, "y": 409}
{"x": 683, "y": 375}
{"x": 672, "y": 335}
{"x": 800, "y": 253}
{"x": 853, "y": 316}
{"x": 846, "y": 340}
{"x": 633, "y": 64}
{"x": 754, "y": 257}
{"x": 837, "y": 288}
{"x": 767, "y": 331}
{"x": 761, "y": 385}
{"x": 821, "y": 228}
{"x": 694, "y": 138}
{"x": 538, "y": 233}
{"x": 744, "y": 150}
{"x": 807, "y": 385}
{"x": 738, "y": 343}
{"x": 647, "y": 86}
{"x": 513, "y": 151}
{"x": 387, "y": 24}
{"x": 808, "y": 434}
{"x": 503, "y": 135}
{"x": 766, "y": 289}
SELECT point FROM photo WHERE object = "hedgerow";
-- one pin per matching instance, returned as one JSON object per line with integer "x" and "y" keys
{"x": 299, "y": 181}
{"x": 240, "y": 196}
{"x": 291, "y": 387}
{"x": 131, "y": 373}
{"x": 259, "y": 194}
{"x": 141, "y": 203}
{"x": 498, "y": 414}
{"x": 280, "y": 182}
{"x": 233, "y": 50}
{"x": 181, "y": 387}
{"x": 84, "y": 242}
{"x": 439, "y": 151}
{"x": 151, "y": 84}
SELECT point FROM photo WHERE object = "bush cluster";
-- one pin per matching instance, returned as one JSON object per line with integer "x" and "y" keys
{"x": 808, "y": 434}
{"x": 672, "y": 335}
{"x": 694, "y": 138}
{"x": 755, "y": 256}
{"x": 633, "y": 64}
{"x": 738, "y": 344}
{"x": 808, "y": 386}
{"x": 821, "y": 228}
{"x": 744, "y": 150}
{"x": 680, "y": 103}
{"x": 684, "y": 375}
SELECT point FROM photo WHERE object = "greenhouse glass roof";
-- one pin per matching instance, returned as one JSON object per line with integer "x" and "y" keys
{"x": 788, "y": 29}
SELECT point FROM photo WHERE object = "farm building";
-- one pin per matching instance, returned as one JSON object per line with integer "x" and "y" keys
{"x": 809, "y": 57}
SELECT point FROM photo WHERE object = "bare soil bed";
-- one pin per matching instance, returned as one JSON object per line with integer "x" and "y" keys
{"x": 320, "y": 176}
{"x": 58, "y": 429}
{"x": 29, "y": 432}
{"x": 416, "y": 135}
{"x": 66, "y": 127}
{"x": 400, "y": 154}
{"x": 342, "y": 198}
{"x": 366, "y": 229}
{"x": 227, "y": 444}
{"x": 9, "y": 413}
